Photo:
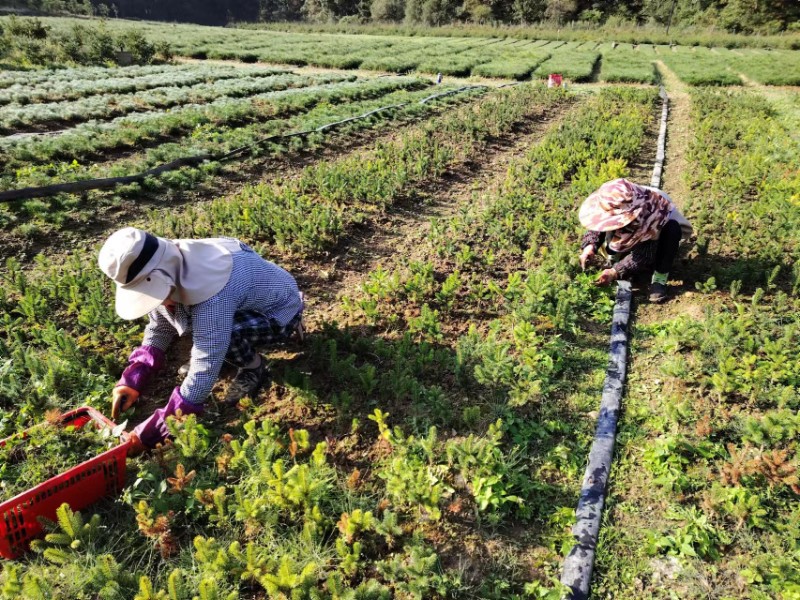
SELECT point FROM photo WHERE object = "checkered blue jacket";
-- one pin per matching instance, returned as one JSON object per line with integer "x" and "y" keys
{"x": 256, "y": 285}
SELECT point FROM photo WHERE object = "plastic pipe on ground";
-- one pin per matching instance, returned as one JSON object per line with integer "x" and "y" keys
{"x": 577, "y": 573}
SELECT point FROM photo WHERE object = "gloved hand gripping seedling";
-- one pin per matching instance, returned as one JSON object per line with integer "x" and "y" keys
{"x": 144, "y": 362}
{"x": 153, "y": 431}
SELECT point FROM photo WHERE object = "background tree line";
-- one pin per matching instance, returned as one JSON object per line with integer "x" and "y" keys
{"x": 737, "y": 16}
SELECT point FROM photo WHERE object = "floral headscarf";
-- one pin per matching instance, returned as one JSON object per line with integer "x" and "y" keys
{"x": 629, "y": 213}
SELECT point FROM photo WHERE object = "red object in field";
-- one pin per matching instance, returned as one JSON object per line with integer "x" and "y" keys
{"x": 79, "y": 486}
{"x": 554, "y": 80}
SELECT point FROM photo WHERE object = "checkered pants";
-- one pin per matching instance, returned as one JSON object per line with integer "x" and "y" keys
{"x": 252, "y": 330}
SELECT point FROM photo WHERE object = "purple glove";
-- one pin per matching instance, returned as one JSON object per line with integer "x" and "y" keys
{"x": 154, "y": 430}
{"x": 144, "y": 362}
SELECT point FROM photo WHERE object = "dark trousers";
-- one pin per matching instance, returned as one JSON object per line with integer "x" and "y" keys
{"x": 252, "y": 330}
{"x": 667, "y": 249}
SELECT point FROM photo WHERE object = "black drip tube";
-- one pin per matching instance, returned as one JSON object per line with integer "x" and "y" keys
{"x": 577, "y": 573}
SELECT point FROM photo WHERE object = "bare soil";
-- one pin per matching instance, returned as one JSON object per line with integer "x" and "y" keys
{"x": 679, "y": 134}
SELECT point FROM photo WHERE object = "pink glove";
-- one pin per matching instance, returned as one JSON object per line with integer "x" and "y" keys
{"x": 154, "y": 430}
{"x": 144, "y": 361}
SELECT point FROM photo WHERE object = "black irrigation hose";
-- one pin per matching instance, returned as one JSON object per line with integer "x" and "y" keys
{"x": 109, "y": 182}
{"x": 577, "y": 573}
{"x": 578, "y": 565}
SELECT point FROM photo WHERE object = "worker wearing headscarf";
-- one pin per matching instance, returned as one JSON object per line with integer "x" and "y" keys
{"x": 220, "y": 291}
{"x": 637, "y": 229}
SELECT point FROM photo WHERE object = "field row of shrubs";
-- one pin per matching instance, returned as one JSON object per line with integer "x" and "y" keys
{"x": 312, "y": 211}
{"x": 52, "y": 115}
{"x": 28, "y": 78}
{"x": 701, "y": 66}
{"x": 31, "y": 217}
{"x": 79, "y": 83}
{"x": 464, "y": 447}
{"x": 94, "y": 140}
{"x": 711, "y": 434}
{"x": 747, "y": 186}
{"x": 482, "y": 56}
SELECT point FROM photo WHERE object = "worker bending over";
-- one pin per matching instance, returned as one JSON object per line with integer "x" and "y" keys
{"x": 229, "y": 298}
{"x": 636, "y": 229}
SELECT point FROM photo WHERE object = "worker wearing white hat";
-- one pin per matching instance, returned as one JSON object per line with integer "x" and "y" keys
{"x": 230, "y": 299}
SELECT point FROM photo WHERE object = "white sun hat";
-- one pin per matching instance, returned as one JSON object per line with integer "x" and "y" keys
{"x": 130, "y": 257}
{"x": 148, "y": 269}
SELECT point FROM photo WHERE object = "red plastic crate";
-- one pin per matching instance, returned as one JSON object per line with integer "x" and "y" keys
{"x": 80, "y": 486}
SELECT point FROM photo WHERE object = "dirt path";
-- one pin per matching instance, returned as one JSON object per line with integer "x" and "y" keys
{"x": 678, "y": 136}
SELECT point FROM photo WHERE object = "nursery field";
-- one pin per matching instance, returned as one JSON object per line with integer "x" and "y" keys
{"x": 506, "y": 57}
{"x": 428, "y": 439}
{"x": 78, "y": 126}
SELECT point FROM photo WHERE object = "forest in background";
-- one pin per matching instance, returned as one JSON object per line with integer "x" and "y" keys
{"x": 734, "y": 16}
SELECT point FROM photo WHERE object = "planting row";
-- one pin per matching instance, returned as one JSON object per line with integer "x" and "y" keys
{"x": 52, "y": 115}
{"x": 93, "y": 140}
{"x": 503, "y": 270}
{"x": 311, "y": 212}
{"x": 257, "y": 507}
{"x": 136, "y": 132}
{"x": 747, "y": 187}
{"x": 724, "y": 67}
{"x": 53, "y": 75}
{"x": 71, "y": 85}
{"x": 28, "y": 217}
{"x": 711, "y": 434}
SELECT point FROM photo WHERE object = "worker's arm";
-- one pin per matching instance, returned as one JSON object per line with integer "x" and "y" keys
{"x": 589, "y": 245}
{"x": 143, "y": 363}
{"x": 593, "y": 239}
{"x": 159, "y": 332}
{"x": 212, "y": 324}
